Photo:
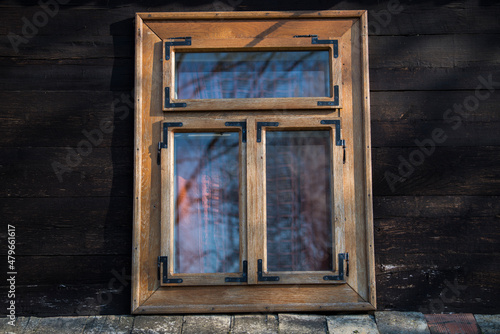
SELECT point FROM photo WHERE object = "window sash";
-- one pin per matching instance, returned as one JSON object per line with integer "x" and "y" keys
{"x": 251, "y": 45}
{"x": 337, "y": 203}
{"x": 168, "y": 202}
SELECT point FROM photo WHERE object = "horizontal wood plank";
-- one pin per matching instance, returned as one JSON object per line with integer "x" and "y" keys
{"x": 436, "y": 51}
{"x": 70, "y": 300}
{"x": 54, "y": 226}
{"x": 258, "y": 298}
{"x": 448, "y": 171}
{"x": 431, "y": 78}
{"x": 418, "y": 235}
{"x": 68, "y": 270}
{"x": 63, "y": 172}
{"x": 60, "y": 119}
{"x": 80, "y": 17}
{"x": 454, "y": 130}
{"x": 436, "y": 206}
{"x": 471, "y": 285}
{"x": 67, "y": 74}
{"x": 418, "y": 106}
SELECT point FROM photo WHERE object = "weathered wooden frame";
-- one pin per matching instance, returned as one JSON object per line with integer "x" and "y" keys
{"x": 168, "y": 202}
{"x": 242, "y": 44}
{"x": 350, "y": 28}
{"x": 258, "y": 244}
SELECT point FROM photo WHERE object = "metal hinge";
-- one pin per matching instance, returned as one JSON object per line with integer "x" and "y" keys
{"x": 260, "y": 275}
{"x": 164, "y": 143}
{"x": 340, "y": 276}
{"x": 164, "y": 279}
{"x": 338, "y": 141}
{"x": 315, "y": 40}
{"x": 186, "y": 41}
{"x": 335, "y": 101}
{"x": 244, "y": 276}
{"x": 259, "y": 128}
{"x": 168, "y": 104}
{"x": 243, "y": 126}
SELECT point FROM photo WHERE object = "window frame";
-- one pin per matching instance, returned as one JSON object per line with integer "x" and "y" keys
{"x": 289, "y": 43}
{"x": 338, "y": 223}
{"x": 357, "y": 290}
{"x": 168, "y": 198}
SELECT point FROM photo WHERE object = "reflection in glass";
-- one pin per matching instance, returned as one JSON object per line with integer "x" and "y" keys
{"x": 226, "y": 75}
{"x": 299, "y": 211}
{"x": 206, "y": 202}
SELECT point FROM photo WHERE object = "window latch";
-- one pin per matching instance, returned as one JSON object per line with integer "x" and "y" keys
{"x": 340, "y": 276}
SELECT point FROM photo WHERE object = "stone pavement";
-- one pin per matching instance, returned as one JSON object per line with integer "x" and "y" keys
{"x": 386, "y": 322}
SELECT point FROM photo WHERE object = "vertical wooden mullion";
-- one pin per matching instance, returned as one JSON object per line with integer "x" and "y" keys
{"x": 254, "y": 193}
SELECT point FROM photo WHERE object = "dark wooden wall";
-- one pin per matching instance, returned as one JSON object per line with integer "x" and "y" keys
{"x": 436, "y": 232}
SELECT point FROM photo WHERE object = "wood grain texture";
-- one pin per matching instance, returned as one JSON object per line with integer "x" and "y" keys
{"x": 33, "y": 172}
{"x": 422, "y": 62}
{"x": 449, "y": 171}
{"x": 49, "y": 227}
{"x": 257, "y": 298}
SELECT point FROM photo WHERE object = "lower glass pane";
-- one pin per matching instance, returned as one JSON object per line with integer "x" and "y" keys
{"x": 299, "y": 192}
{"x": 206, "y": 235}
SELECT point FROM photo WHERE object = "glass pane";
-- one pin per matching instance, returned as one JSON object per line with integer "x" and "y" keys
{"x": 299, "y": 192}
{"x": 226, "y": 75}
{"x": 206, "y": 231}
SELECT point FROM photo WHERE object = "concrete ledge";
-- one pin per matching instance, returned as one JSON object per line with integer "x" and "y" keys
{"x": 301, "y": 324}
{"x": 401, "y": 323}
{"x": 156, "y": 324}
{"x": 489, "y": 324}
{"x": 206, "y": 324}
{"x": 387, "y": 322}
{"x": 342, "y": 324}
{"x": 255, "y": 323}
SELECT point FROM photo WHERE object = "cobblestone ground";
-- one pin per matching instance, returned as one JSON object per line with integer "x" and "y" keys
{"x": 378, "y": 322}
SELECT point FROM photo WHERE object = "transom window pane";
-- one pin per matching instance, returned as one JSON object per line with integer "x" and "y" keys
{"x": 206, "y": 231}
{"x": 299, "y": 193}
{"x": 226, "y": 75}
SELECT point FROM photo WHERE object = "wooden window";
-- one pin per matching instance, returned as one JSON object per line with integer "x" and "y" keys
{"x": 272, "y": 72}
{"x": 253, "y": 174}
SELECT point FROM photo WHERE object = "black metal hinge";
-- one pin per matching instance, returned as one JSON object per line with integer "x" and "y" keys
{"x": 244, "y": 276}
{"x": 260, "y": 275}
{"x": 338, "y": 141}
{"x": 164, "y": 143}
{"x": 259, "y": 128}
{"x": 315, "y": 40}
{"x": 335, "y": 101}
{"x": 164, "y": 279}
{"x": 168, "y": 104}
{"x": 340, "y": 276}
{"x": 243, "y": 126}
{"x": 186, "y": 41}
